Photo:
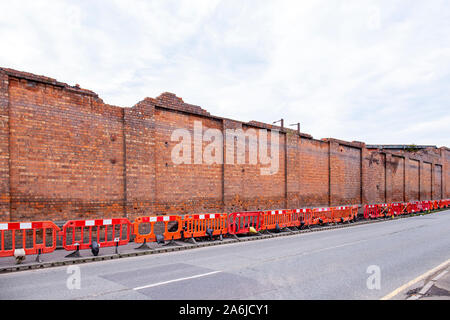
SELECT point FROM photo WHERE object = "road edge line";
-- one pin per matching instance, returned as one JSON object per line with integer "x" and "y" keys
{"x": 415, "y": 280}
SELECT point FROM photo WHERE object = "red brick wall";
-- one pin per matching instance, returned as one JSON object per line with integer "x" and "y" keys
{"x": 446, "y": 172}
{"x": 4, "y": 148}
{"x": 425, "y": 187}
{"x": 185, "y": 188}
{"x": 139, "y": 179}
{"x": 293, "y": 183}
{"x": 374, "y": 177}
{"x": 413, "y": 180}
{"x": 245, "y": 188}
{"x": 67, "y": 155}
{"x": 345, "y": 162}
{"x": 314, "y": 173}
{"x": 396, "y": 170}
{"x": 437, "y": 182}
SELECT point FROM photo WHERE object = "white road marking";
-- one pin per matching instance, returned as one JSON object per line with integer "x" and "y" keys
{"x": 175, "y": 280}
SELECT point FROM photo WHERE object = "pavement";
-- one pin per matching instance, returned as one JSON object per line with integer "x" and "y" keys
{"x": 440, "y": 288}
{"x": 434, "y": 285}
{"x": 359, "y": 262}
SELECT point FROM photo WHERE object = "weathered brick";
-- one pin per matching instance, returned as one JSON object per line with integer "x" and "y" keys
{"x": 65, "y": 154}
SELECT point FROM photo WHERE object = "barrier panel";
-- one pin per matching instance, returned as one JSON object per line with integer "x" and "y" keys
{"x": 303, "y": 217}
{"x": 322, "y": 215}
{"x": 342, "y": 214}
{"x": 282, "y": 218}
{"x": 443, "y": 203}
{"x": 419, "y": 206}
{"x": 355, "y": 209}
{"x": 158, "y": 225}
{"x": 412, "y": 207}
{"x": 371, "y": 211}
{"x": 196, "y": 225}
{"x": 240, "y": 222}
{"x": 397, "y": 209}
{"x": 435, "y": 204}
{"x": 78, "y": 234}
{"x": 426, "y": 205}
{"x": 32, "y": 237}
{"x": 383, "y": 210}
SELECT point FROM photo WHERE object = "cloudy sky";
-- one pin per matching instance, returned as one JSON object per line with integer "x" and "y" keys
{"x": 372, "y": 71}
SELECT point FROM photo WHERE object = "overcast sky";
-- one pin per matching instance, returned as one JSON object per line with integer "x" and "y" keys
{"x": 372, "y": 71}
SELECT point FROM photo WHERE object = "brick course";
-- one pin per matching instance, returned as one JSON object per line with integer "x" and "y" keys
{"x": 65, "y": 154}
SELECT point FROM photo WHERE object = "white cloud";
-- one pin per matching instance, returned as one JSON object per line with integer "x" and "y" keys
{"x": 373, "y": 71}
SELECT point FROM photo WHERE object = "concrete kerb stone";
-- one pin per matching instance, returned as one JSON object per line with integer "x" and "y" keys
{"x": 187, "y": 246}
{"x": 443, "y": 271}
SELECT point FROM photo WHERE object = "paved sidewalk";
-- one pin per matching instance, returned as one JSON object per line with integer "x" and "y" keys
{"x": 435, "y": 287}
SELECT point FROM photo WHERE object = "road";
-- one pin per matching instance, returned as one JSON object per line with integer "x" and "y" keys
{"x": 331, "y": 264}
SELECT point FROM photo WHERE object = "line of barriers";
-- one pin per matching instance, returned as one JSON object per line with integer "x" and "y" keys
{"x": 385, "y": 210}
{"x": 35, "y": 238}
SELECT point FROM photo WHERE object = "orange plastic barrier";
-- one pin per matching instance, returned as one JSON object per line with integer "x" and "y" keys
{"x": 383, "y": 209}
{"x": 30, "y": 246}
{"x": 152, "y": 220}
{"x": 75, "y": 231}
{"x": 355, "y": 209}
{"x": 443, "y": 203}
{"x": 303, "y": 217}
{"x": 272, "y": 218}
{"x": 426, "y": 205}
{"x": 240, "y": 222}
{"x": 371, "y": 211}
{"x": 196, "y": 225}
{"x": 397, "y": 209}
{"x": 412, "y": 207}
{"x": 435, "y": 205}
{"x": 322, "y": 215}
{"x": 419, "y": 205}
{"x": 342, "y": 214}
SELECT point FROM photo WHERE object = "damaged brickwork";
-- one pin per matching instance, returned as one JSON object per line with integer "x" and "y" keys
{"x": 65, "y": 154}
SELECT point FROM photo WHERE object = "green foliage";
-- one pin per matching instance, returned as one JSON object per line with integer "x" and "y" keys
{"x": 412, "y": 148}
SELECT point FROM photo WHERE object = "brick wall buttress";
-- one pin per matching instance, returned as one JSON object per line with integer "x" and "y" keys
{"x": 4, "y": 147}
{"x": 139, "y": 132}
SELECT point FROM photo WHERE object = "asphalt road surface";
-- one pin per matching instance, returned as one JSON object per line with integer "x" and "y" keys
{"x": 359, "y": 262}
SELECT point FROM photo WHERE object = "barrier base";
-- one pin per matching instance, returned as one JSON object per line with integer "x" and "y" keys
{"x": 143, "y": 246}
{"x": 75, "y": 254}
{"x": 171, "y": 243}
{"x": 232, "y": 235}
{"x": 191, "y": 240}
{"x": 38, "y": 258}
{"x": 286, "y": 229}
